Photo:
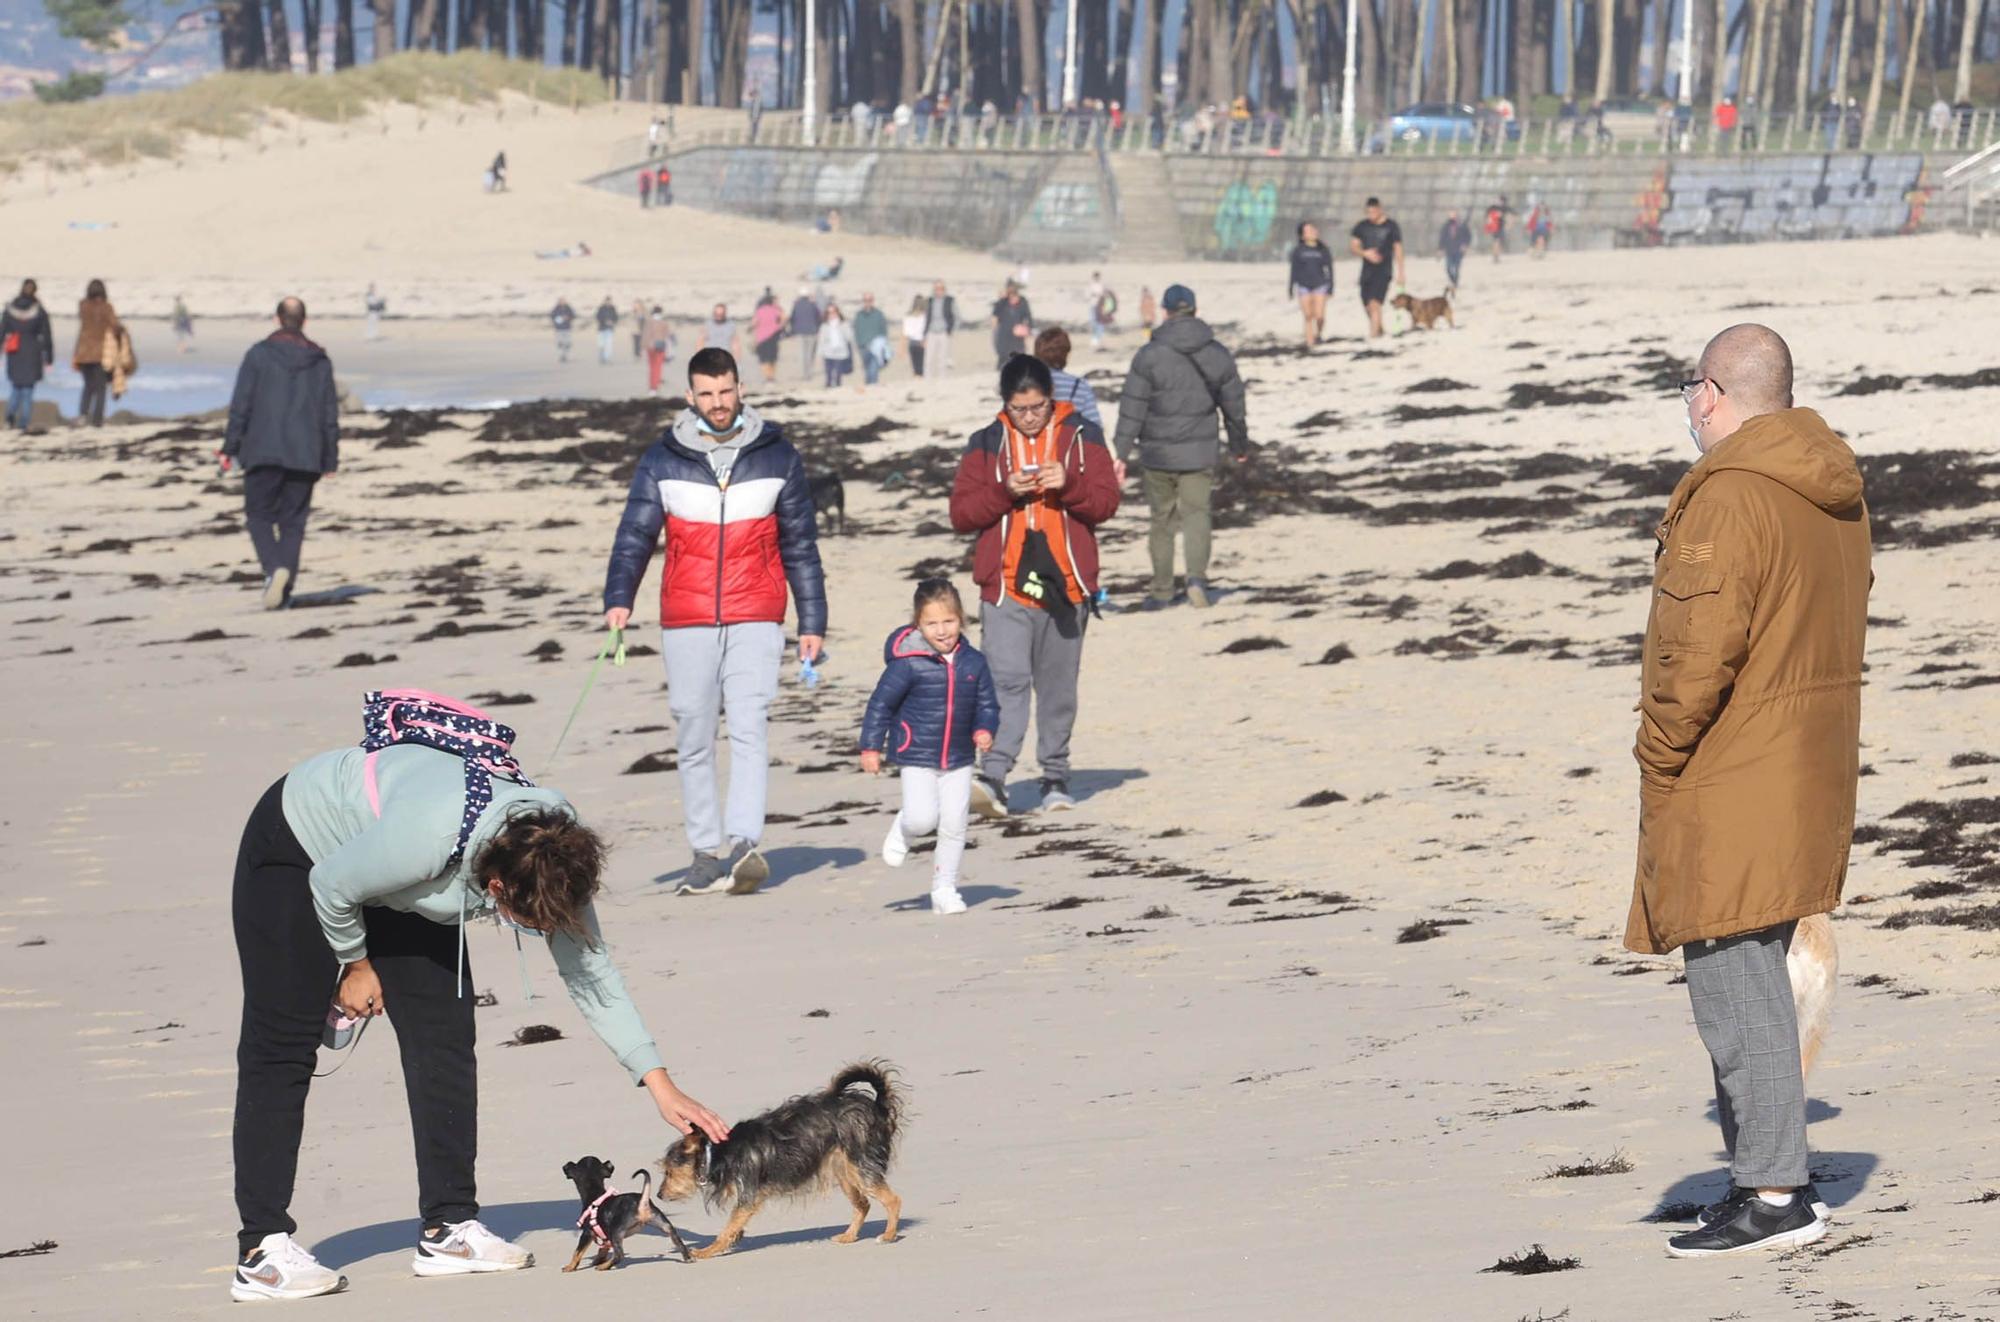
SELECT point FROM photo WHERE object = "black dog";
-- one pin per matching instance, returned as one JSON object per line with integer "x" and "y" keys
{"x": 832, "y": 1137}
{"x": 609, "y": 1217}
{"x": 829, "y": 495}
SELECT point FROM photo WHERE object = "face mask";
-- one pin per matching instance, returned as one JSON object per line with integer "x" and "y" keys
{"x": 1694, "y": 434}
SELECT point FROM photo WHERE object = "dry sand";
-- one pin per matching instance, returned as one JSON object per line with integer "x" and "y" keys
{"x": 1175, "y": 1061}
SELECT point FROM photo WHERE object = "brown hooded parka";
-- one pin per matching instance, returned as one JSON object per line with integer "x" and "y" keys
{"x": 1750, "y": 709}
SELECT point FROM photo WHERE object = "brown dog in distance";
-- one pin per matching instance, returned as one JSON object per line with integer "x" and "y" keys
{"x": 1425, "y": 312}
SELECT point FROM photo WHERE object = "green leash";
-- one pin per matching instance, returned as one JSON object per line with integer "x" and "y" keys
{"x": 614, "y": 647}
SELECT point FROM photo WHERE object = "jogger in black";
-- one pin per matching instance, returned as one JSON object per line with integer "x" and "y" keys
{"x": 288, "y": 979}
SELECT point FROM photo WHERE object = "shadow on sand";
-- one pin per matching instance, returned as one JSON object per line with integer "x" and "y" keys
{"x": 1842, "y": 1177}
{"x": 512, "y": 1220}
{"x": 787, "y": 862}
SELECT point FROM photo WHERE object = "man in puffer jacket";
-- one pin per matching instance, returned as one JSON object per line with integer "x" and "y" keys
{"x": 933, "y": 711}
{"x": 731, "y": 494}
{"x": 1179, "y": 378}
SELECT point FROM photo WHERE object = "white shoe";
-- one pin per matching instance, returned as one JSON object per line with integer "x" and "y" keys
{"x": 947, "y": 901}
{"x": 894, "y": 848}
{"x": 274, "y": 588}
{"x": 468, "y": 1246}
{"x": 280, "y": 1268}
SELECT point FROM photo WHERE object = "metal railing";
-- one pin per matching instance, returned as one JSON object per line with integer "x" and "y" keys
{"x": 1977, "y": 177}
{"x": 1319, "y": 136}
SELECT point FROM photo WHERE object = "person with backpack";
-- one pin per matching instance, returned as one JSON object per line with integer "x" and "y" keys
{"x": 1179, "y": 380}
{"x": 1052, "y": 346}
{"x": 1032, "y": 487}
{"x": 30, "y": 345}
{"x": 356, "y": 874}
{"x": 720, "y": 468}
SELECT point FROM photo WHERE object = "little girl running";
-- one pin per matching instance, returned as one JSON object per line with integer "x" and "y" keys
{"x": 934, "y": 705}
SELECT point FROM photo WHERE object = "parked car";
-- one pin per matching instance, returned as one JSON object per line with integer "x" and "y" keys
{"x": 1444, "y": 122}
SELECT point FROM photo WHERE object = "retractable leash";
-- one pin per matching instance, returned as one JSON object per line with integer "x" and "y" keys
{"x": 336, "y": 1035}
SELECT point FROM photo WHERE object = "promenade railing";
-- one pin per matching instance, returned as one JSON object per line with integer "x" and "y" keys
{"x": 1320, "y": 136}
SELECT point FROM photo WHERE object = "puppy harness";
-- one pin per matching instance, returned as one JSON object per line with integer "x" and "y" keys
{"x": 588, "y": 1219}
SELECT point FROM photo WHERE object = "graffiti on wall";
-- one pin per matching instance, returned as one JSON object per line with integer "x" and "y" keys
{"x": 1243, "y": 218}
{"x": 843, "y": 183}
{"x": 1064, "y": 206}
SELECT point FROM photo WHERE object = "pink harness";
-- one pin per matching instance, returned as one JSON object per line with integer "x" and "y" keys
{"x": 588, "y": 1219}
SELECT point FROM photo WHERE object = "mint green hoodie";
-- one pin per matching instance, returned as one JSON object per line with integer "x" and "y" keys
{"x": 398, "y": 861}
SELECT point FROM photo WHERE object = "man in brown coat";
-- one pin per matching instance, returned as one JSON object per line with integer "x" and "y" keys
{"x": 1749, "y": 746}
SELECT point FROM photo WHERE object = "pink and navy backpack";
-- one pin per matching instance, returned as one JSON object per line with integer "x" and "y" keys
{"x": 412, "y": 716}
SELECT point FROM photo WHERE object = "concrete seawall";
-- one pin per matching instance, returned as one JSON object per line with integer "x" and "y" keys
{"x": 1064, "y": 207}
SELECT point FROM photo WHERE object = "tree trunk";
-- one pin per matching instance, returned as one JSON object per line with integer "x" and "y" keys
{"x": 343, "y": 34}
{"x": 1367, "y": 103}
{"x": 1148, "y": 81}
{"x": 1885, "y": 15}
{"x": 1605, "y": 49}
{"x": 1447, "y": 87}
{"x": 1662, "y": 18}
{"x": 1468, "y": 87}
{"x": 910, "y": 43}
{"x": 1028, "y": 44}
{"x": 1543, "y": 58}
{"x": 734, "y": 31}
{"x": 1521, "y": 20}
{"x": 1719, "y": 61}
{"x": 243, "y": 35}
{"x": 1121, "y": 54}
{"x": 604, "y": 39}
{"x": 1912, "y": 50}
{"x": 278, "y": 49}
{"x": 385, "y": 27}
{"x": 1961, "y": 88}
{"x": 309, "y": 20}
{"x": 1419, "y": 47}
{"x": 1628, "y": 35}
{"x": 1842, "y": 50}
{"x": 1221, "y": 65}
{"x": 1802, "y": 91}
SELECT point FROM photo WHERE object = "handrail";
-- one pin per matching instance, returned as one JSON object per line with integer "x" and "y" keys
{"x": 1973, "y": 159}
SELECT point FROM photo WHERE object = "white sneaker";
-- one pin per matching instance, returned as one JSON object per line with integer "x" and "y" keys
{"x": 947, "y": 901}
{"x": 894, "y": 848}
{"x": 274, "y": 588}
{"x": 468, "y": 1246}
{"x": 280, "y": 1268}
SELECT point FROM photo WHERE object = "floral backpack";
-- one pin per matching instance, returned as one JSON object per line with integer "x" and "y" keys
{"x": 411, "y": 716}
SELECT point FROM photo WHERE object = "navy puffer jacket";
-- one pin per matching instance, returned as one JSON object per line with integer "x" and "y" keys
{"x": 926, "y": 707}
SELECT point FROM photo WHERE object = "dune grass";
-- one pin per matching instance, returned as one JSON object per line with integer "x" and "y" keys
{"x": 230, "y": 105}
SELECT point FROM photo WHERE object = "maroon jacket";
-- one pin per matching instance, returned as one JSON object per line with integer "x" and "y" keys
{"x": 981, "y": 503}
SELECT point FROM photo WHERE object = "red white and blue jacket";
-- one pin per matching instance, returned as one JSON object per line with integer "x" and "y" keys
{"x": 731, "y": 550}
{"x": 926, "y": 707}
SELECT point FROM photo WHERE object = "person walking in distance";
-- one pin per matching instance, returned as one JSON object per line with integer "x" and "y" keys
{"x": 1496, "y": 222}
{"x": 607, "y": 330}
{"x": 659, "y": 337}
{"x": 1749, "y": 749}
{"x": 1032, "y": 487}
{"x": 1311, "y": 279}
{"x": 284, "y": 429}
{"x": 913, "y": 333}
{"x": 1454, "y": 239}
{"x": 836, "y": 346}
{"x": 30, "y": 345}
{"x": 1101, "y": 301}
{"x": 1013, "y": 324}
{"x": 1378, "y": 242}
{"x": 722, "y": 602}
{"x": 563, "y": 318}
{"x": 1179, "y": 380}
{"x": 767, "y": 328}
{"x": 940, "y": 320}
{"x": 1053, "y": 347}
{"x": 663, "y": 186}
{"x": 183, "y": 326}
{"x": 871, "y": 339}
{"x": 638, "y": 313}
{"x": 97, "y": 328}
{"x": 645, "y": 187}
{"x": 804, "y": 325}
{"x": 1149, "y": 310}
{"x": 374, "y": 305}
{"x": 719, "y": 332}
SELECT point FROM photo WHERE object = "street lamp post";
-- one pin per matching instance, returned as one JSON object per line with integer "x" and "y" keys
{"x": 1069, "y": 55}
{"x": 809, "y": 91}
{"x": 1347, "y": 85}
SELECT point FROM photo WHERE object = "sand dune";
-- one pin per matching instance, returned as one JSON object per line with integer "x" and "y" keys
{"x": 1197, "y": 1047}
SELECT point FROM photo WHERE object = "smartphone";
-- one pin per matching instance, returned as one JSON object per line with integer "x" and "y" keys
{"x": 1031, "y": 469}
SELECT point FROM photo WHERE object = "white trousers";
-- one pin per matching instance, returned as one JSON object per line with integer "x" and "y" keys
{"x": 939, "y": 801}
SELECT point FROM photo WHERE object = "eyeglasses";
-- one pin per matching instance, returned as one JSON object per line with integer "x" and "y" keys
{"x": 1689, "y": 387}
{"x": 1030, "y": 410}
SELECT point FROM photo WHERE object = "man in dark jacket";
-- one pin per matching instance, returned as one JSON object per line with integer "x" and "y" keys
{"x": 284, "y": 429}
{"x": 31, "y": 346}
{"x": 721, "y": 468}
{"x": 1033, "y": 485}
{"x": 1179, "y": 378}
{"x": 1013, "y": 325}
{"x": 1454, "y": 239}
{"x": 804, "y": 324}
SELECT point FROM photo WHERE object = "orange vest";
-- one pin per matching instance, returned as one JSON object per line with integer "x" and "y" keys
{"x": 1041, "y": 514}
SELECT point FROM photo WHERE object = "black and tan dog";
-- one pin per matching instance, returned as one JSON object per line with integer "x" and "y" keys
{"x": 1425, "y": 312}
{"x": 608, "y": 1217}
{"x": 837, "y": 1137}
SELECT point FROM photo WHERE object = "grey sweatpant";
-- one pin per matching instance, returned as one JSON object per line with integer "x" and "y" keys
{"x": 1034, "y": 671}
{"x": 713, "y": 672}
{"x": 1743, "y": 1009}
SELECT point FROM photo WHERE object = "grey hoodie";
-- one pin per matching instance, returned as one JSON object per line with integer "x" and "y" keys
{"x": 398, "y": 861}
{"x": 720, "y": 451}
{"x": 1178, "y": 380}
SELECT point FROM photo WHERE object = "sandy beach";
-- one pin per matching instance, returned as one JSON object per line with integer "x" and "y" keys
{"x": 1293, "y": 1017}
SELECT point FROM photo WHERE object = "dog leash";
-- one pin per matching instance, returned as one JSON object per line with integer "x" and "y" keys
{"x": 347, "y": 1052}
{"x": 614, "y": 647}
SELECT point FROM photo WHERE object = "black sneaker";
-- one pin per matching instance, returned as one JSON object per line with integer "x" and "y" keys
{"x": 1752, "y": 1224}
{"x": 989, "y": 798}
{"x": 1056, "y": 795}
{"x": 1707, "y": 1216}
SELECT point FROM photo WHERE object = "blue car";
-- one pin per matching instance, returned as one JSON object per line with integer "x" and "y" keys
{"x": 1444, "y": 122}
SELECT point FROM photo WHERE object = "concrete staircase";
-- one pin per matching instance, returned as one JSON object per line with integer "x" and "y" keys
{"x": 1149, "y": 227}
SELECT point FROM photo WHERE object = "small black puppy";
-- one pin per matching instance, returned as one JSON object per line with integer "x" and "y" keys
{"x": 608, "y": 1217}
{"x": 829, "y": 495}
{"x": 832, "y": 1137}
